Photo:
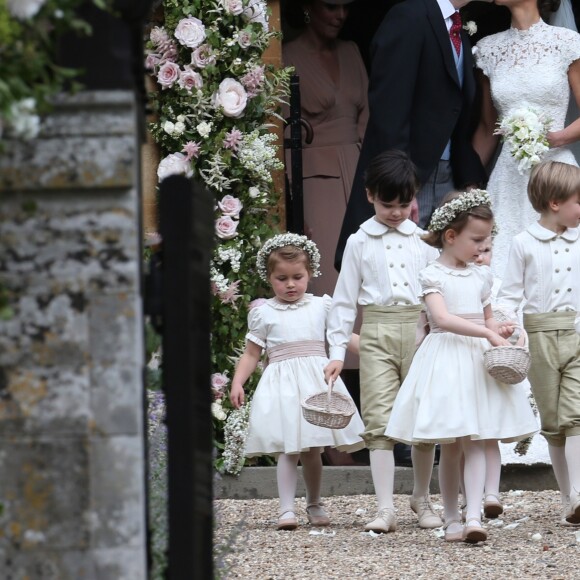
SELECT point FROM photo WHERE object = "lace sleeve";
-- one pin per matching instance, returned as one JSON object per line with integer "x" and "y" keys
{"x": 481, "y": 54}
{"x": 570, "y": 46}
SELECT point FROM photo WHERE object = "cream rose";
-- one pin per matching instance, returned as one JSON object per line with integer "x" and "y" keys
{"x": 174, "y": 164}
{"x": 230, "y": 205}
{"x": 225, "y": 228}
{"x": 202, "y": 56}
{"x": 232, "y": 98}
{"x": 190, "y": 32}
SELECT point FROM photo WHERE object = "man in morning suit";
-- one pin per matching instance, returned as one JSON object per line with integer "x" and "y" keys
{"x": 421, "y": 98}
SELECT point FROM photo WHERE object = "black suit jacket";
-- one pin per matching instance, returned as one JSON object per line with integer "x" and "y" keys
{"x": 416, "y": 103}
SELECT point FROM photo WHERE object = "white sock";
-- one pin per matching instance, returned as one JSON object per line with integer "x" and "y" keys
{"x": 422, "y": 469}
{"x": 287, "y": 476}
{"x": 560, "y": 467}
{"x": 383, "y": 472}
{"x": 312, "y": 473}
{"x": 474, "y": 476}
{"x": 449, "y": 462}
{"x": 573, "y": 462}
{"x": 492, "y": 467}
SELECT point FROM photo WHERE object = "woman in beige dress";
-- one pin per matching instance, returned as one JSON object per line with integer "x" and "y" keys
{"x": 333, "y": 90}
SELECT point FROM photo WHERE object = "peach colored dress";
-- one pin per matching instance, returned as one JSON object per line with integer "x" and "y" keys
{"x": 338, "y": 114}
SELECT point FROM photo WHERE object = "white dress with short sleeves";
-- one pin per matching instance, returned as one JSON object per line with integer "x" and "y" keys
{"x": 276, "y": 421}
{"x": 525, "y": 67}
{"x": 448, "y": 393}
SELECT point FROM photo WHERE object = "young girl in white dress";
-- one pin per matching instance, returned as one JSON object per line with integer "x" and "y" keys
{"x": 291, "y": 327}
{"x": 448, "y": 397}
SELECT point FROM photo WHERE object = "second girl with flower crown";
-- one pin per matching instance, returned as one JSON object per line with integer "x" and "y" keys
{"x": 448, "y": 397}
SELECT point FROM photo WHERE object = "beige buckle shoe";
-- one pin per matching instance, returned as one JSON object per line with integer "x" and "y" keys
{"x": 316, "y": 515}
{"x": 287, "y": 521}
{"x": 428, "y": 519}
{"x": 474, "y": 532}
{"x": 384, "y": 523}
{"x": 492, "y": 507}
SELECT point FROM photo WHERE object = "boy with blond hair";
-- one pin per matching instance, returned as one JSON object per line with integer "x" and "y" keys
{"x": 543, "y": 270}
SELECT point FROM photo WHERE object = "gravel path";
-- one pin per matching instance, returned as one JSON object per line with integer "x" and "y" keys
{"x": 527, "y": 542}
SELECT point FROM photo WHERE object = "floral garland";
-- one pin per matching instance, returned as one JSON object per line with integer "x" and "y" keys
{"x": 29, "y": 77}
{"x": 215, "y": 103}
{"x": 288, "y": 239}
{"x": 445, "y": 214}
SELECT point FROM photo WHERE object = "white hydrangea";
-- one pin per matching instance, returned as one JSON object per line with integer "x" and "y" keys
{"x": 231, "y": 255}
{"x": 220, "y": 281}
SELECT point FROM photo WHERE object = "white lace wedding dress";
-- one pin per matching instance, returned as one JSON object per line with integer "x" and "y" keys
{"x": 524, "y": 66}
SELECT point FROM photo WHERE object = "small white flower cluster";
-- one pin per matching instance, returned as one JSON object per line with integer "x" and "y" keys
{"x": 235, "y": 434}
{"x": 232, "y": 255}
{"x": 220, "y": 281}
{"x": 445, "y": 214}
{"x": 283, "y": 240}
{"x": 258, "y": 156}
{"x": 524, "y": 131}
{"x": 218, "y": 411}
{"x": 470, "y": 27}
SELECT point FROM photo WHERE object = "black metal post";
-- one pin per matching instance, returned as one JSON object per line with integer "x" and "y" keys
{"x": 186, "y": 219}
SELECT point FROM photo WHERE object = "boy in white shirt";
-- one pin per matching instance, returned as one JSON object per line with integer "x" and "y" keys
{"x": 379, "y": 272}
{"x": 543, "y": 270}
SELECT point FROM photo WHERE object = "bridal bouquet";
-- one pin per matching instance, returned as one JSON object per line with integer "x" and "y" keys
{"x": 524, "y": 131}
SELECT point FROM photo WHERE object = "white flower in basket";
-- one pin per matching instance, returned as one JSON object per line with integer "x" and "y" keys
{"x": 524, "y": 132}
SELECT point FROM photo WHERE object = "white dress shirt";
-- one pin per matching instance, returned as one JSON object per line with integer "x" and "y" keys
{"x": 380, "y": 266}
{"x": 544, "y": 270}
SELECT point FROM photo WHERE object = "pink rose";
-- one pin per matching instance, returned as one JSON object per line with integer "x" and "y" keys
{"x": 219, "y": 382}
{"x": 174, "y": 164}
{"x": 190, "y": 32}
{"x": 230, "y": 205}
{"x": 202, "y": 56}
{"x": 234, "y": 7}
{"x": 255, "y": 11}
{"x": 256, "y": 303}
{"x": 232, "y": 98}
{"x": 168, "y": 74}
{"x": 244, "y": 38}
{"x": 152, "y": 61}
{"x": 190, "y": 79}
{"x": 225, "y": 228}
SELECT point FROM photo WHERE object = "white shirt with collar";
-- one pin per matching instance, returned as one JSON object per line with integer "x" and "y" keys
{"x": 447, "y": 9}
{"x": 380, "y": 266}
{"x": 543, "y": 269}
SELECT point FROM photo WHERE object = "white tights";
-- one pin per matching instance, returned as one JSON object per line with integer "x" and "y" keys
{"x": 383, "y": 472}
{"x": 422, "y": 469}
{"x": 566, "y": 466}
{"x": 287, "y": 477}
{"x": 473, "y": 476}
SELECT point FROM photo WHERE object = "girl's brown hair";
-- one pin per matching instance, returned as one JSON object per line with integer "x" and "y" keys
{"x": 287, "y": 254}
{"x": 459, "y": 222}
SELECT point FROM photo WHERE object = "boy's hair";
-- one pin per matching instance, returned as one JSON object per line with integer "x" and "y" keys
{"x": 552, "y": 181}
{"x": 287, "y": 254}
{"x": 459, "y": 221}
{"x": 392, "y": 175}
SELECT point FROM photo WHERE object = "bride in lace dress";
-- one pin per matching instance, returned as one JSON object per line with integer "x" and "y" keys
{"x": 531, "y": 64}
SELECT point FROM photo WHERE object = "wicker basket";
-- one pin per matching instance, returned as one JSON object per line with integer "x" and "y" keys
{"x": 331, "y": 410}
{"x": 509, "y": 364}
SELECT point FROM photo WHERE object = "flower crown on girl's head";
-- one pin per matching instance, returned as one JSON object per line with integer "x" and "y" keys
{"x": 445, "y": 214}
{"x": 288, "y": 239}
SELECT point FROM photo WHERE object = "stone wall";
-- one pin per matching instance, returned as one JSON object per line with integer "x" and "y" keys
{"x": 71, "y": 354}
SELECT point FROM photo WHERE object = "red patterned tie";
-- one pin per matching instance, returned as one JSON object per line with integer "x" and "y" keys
{"x": 455, "y": 32}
